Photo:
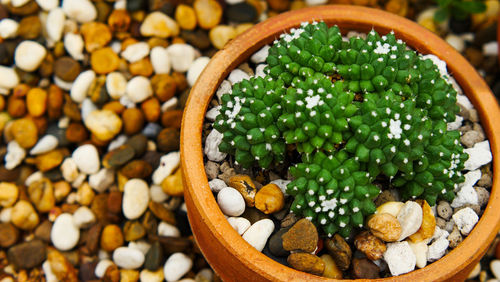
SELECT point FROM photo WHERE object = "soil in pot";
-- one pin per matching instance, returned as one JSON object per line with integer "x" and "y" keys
{"x": 350, "y": 130}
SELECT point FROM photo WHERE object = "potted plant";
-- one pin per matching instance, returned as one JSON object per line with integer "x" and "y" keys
{"x": 225, "y": 250}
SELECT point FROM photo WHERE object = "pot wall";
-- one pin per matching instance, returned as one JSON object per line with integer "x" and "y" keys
{"x": 226, "y": 251}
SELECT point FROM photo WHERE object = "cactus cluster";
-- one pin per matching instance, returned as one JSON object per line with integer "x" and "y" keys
{"x": 355, "y": 110}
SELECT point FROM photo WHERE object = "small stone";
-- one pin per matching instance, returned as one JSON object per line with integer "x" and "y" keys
{"x": 246, "y": 187}
{"x": 128, "y": 258}
{"x": 212, "y": 146}
{"x": 83, "y": 217}
{"x": 340, "y": 251}
{"x": 495, "y": 268}
{"x": 208, "y": 13}
{"x": 64, "y": 234}
{"x": 135, "y": 52}
{"x": 29, "y": 55}
{"x": 101, "y": 267}
{"x": 116, "y": 85}
{"x": 105, "y": 61}
{"x": 470, "y": 138}
{"x": 8, "y": 194}
{"x": 25, "y": 132}
{"x": 307, "y": 263}
{"x": 8, "y": 28}
{"x": 465, "y": 219}
{"x": 455, "y": 238}
{"x": 73, "y": 43}
{"x": 41, "y": 194}
{"x": 8, "y": 77}
{"x": 137, "y": 169}
{"x": 231, "y": 202}
{"x": 420, "y": 251}
{"x": 135, "y": 198}
{"x": 237, "y": 75}
{"x": 370, "y": 245}
{"x": 176, "y": 266}
{"x": 456, "y": 42}
{"x": 80, "y": 10}
{"x": 42, "y": 231}
{"x": 195, "y": 69}
{"x": 133, "y": 231}
{"x": 160, "y": 60}
{"x": 168, "y": 230}
{"x": 444, "y": 210}
{"x": 15, "y": 155}
{"x": 27, "y": 255}
{"x": 104, "y": 124}
{"x": 269, "y": 199}
{"x": 81, "y": 85}
{"x": 139, "y": 89}
{"x": 483, "y": 195}
{"x": 101, "y": 180}
{"x": 86, "y": 159}
{"x": 96, "y": 35}
{"x": 438, "y": 248}
{"x": 185, "y": 17}
{"x": 303, "y": 236}
{"x": 154, "y": 257}
{"x": 152, "y": 276}
{"x": 181, "y": 56}
{"x": 428, "y": 225}
{"x": 8, "y": 235}
{"x": 216, "y": 185}
{"x": 172, "y": 185}
{"x": 410, "y": 218}
{"x": 391, "y": 208}
{"x": 168, "y": 163}
{"x": 45, "y": 144}
{"x": 258, "y": 233}
{"x": 159, "y": 25}
{"x": 331, "y": 269}
{"x": 172, "y": 119}
{"x": 129, "y": 275}
{"x": 364, "y": 268}
{"x": 50, "y": 160}
{"x": 111, "y": 237}
{"x": 61, "y": 267}
{"x": 479, "y": 155}
{"x": 24, "y": 215}
{"x": 400, "y": 258}
{"x": 385, "y": 226}
{"x": 239, "y": 224}
{"x": 151, "y": 109}
{"x": 221, "y": 35}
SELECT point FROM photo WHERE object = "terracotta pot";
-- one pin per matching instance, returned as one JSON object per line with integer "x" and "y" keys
{"x": 226, "y": 251}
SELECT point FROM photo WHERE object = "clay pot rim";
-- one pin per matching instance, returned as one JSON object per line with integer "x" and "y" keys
{"x": 199, "y": 198}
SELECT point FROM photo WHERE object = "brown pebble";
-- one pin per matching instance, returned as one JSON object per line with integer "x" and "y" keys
{"x": 151, "y": 109}
{"x": 55, "y": 101}
{"x": 303, "y": 236}
{"x": 340, "y": 251}
{"x": 279, "y": 5}
{"x": 119, "y": 21}
{"x": 95, "y": 35}
{"x": 246, "y": 187}
{"x": 104, "y": 60}
{"x": 363, "y": 268}
{"x": 50, "y": 160}
{"x": 42, "y": 231}
{"x": 28, "y": 254}
{"x": 137, "y": 169}
{"x": 41, "y": 194}
{"x": 92, "y": 239}
{"x": 114, "y": 202}
{"x": 269, "y": 199}
{"x": 162, "y": 212}
{"x": 46, "y": 68}
{"x": 25, "y": 132}
{"x": 66, "y": 68}
{"x": 385, "y": 226}
{"x": 76, "y": 133}
{"x": 185, "y": 17}
{"x": 60, "y": 266}
{"x": 307, "y": 263}
{"x": 370, "y": 245}
{"x": 172, "y": 118}
{"x": 133, "y": 230}
{"x": 111, "y": 237}
{"x": 24, "y": 215}
{"x": 112, "y": 274}
{"x": 331, "y": 269}
{"x": 180, "y": 81}
{"x": 114, "y": 106}
{"x": 142, "y": 67}
{"x": 172, "y": 185}
{"x": 97, "y": 91}
{"x": 29, "y": 27}
{"x": 71, "y": 109}
{"x": 164, "y": 86}
{"x": 8, "y": 235}
{"x": 208, "y": 12}
{"x": 168, "y": 140}
{"x": 133, "y": 121}
{"x": 61, "y": 190}
{"x": 16, "y": 107}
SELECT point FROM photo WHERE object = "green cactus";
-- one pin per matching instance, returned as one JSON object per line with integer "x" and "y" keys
{"x": 355, "y": 110}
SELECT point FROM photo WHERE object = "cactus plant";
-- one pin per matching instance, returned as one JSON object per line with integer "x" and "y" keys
{"x": 355, "y": 110}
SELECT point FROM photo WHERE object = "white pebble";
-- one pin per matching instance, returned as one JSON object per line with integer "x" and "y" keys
{"x": 170, "y": 104}
{"x": 47, "y": 5}
{"x": 69, "y": 170}
{"x": 116, "y": 85}
{"x": 420, "y": 251}
{"x": 410, "y": 218}
{"x": 466, "y": 195}
{"x": 490, "y": 49}
{"x": 168, "y": 164}
{"x": 181, "y": 56}
{"x": 80, "y": 10}
{"x": 83, "y": 217}
{"x": 73, "y": 43}
{"x": 259, "y": 70}
{"x": 6, "y": 214}
{"x": 455, "y": 124}
{"x": 139, "y": 89}
{"x": 8, "y": 77}
{"x": 64, "y": 234}
{"x": 86, "y": 158}
{"x": 81, "y": 85}
{"x": 55, "y": 24}
{"x": 117, "y": 142}
{"x": 240, "y": 224}
{"x": 15, "y": 155}
{"x": 8, "y": 28}
{"x": 64, "y": 85}
{"x": 196, "y": 68}
{"x": 49, "y": 274}
{"x": 101, "y": 267}
{"x": 237, "y": 75}
{"x": 128, "y": 258}
{"x": 495, "y": 268}
{"x": 87, "y": 107}
{"x": 315, "y": 2}
{"x": 232, "y": 2}
{"x": 475, "y": 272}
{"x": 216, "y": 185}
{"x": 212, "y": 113}
{"x": 465, "y": 219}
{"x": 101, "y": 180}
{"x": 29, "y": 55}
{"x": 135, "y": 52}
{"x": 479, "y": 155}
{"x": 135, "y": 198}
{"x": 160, "y": 60}
{"x": 257, "y": 234}
{"x": 176, "y": 266}
{"x": 159, "y": 25}
{"x": 166, "y": 229}
{"x": 18, "y": 3}
{"x": 282, "y": 183}
{"x": 140, "y": 245}
{"x": 212, "y": 146}
{"x": 261, "y": 55}
{"x": 437, "y": 249}
{"x": 45, "y": 144}
{"x": 36, "y": 176}
{"x": 225, "y": 87}
{"x": 456, "y": 42}
{"x": 231, "y": 202}
{"x": 400, "y": 258}
{"x": 157, "y": 195}
{"x": 464, "y": 102}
